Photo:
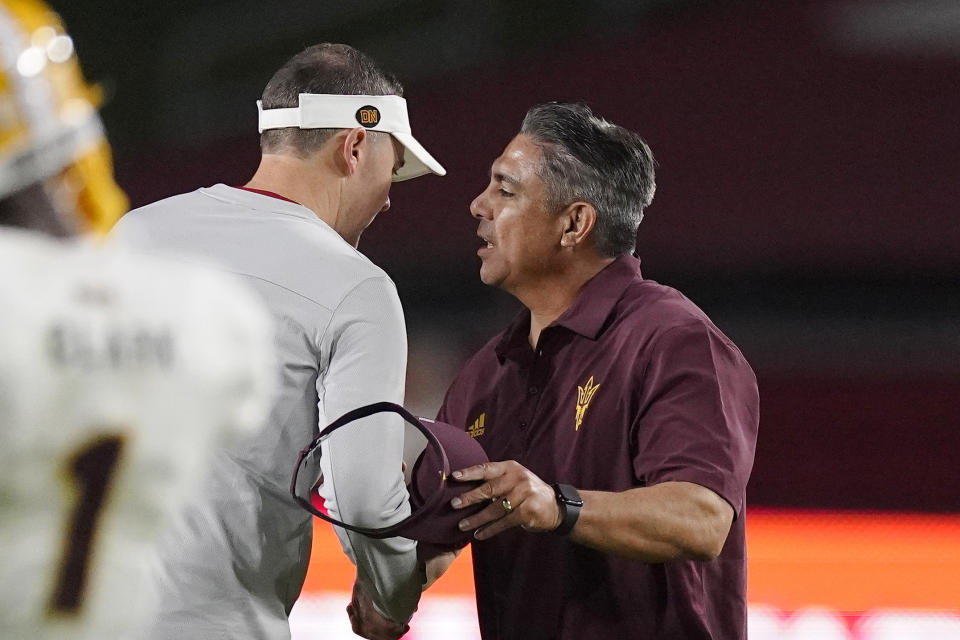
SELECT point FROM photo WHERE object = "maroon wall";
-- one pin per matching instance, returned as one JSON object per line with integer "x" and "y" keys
{"x": 859, "y": 443}
{"x": 783, "y": 150}
{"x": 777, "y": 147}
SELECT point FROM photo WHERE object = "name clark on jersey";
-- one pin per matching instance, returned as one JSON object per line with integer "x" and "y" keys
{"x": 72, "y": 344}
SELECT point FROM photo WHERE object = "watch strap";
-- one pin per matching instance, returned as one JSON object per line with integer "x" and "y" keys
{"x": 570, "y": 503}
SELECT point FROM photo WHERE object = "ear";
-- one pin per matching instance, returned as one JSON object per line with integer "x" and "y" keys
{"x": 578, "y": 219}
{"x": 348, "y": 149}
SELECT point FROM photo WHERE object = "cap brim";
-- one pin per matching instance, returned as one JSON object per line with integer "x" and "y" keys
{"x": 417, "y": 161}
{"x": 439, "y": 526}
{"x": 432, "y": 519}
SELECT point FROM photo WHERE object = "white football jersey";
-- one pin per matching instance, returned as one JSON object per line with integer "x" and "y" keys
{"x": 120, "y": 376}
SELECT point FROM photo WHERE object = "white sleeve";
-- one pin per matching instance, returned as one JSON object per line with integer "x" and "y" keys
{"x": 361, "y": 462}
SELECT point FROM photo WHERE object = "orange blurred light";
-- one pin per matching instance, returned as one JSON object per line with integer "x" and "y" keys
{"x": 850, "y": 562}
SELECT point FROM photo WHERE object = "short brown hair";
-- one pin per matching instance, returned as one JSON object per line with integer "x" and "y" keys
{"x": 323, "y": 68}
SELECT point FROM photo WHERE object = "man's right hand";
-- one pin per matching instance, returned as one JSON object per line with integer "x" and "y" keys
{"x": 367, "y": 622}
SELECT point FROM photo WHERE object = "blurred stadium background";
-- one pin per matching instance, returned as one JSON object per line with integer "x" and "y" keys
{"x": 809, "y": 177}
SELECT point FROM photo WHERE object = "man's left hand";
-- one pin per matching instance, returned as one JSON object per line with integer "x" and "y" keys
{"x": 517, "y": 497}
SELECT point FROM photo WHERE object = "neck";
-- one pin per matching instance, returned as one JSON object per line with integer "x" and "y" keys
{"x": 549, "y": 297}
{"x": 301, "y": 180}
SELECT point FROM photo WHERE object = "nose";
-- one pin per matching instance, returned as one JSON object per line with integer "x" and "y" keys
{"x": 479, "y": 208}
{"x": 386, "y": 205}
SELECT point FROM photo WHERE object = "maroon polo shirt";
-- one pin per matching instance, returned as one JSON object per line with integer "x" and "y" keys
{"x": 632, "y": 386}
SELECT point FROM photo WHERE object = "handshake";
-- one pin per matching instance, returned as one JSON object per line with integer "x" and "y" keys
{"x": 369, "y": 623}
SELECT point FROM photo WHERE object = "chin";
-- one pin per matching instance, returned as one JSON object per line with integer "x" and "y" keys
{"x": 490, "y": 277}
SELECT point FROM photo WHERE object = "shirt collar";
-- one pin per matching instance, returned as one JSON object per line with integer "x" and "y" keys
{"x": 261, "y": 202}
{"x": 588, "y": 313}
{"x": 271, "y": 194}
{"x": 599, "y": 296}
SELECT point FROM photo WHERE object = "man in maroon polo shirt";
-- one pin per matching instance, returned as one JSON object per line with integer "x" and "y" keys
{"x": 621, "y": 421}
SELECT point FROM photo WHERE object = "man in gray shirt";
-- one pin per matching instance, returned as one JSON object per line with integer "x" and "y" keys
{"x": 334, "y": 134}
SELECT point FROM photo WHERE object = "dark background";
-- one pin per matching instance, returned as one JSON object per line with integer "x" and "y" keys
{"x": 807, "y": 185}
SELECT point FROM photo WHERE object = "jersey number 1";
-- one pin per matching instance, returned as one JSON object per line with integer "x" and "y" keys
{"x": 90, "y": 470}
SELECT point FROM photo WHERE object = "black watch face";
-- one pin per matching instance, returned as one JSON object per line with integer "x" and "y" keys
{"x": 569, "y": 495}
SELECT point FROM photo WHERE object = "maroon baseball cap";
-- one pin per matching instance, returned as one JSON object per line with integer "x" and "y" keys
{"x": 432, "y": 520}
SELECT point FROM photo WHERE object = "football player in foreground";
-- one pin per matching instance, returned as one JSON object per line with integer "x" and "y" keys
{"x": 119, "y": 374}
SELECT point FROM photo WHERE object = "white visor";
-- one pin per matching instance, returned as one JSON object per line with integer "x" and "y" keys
{"x": 377, "y": 113}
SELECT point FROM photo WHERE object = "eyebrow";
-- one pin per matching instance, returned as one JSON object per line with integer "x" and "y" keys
{"x": 499, "y": 176}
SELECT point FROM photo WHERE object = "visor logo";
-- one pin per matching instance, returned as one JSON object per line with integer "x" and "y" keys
{"x": 368, "y": 116}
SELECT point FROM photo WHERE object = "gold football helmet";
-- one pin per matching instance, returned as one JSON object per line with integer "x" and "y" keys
{"x": 49, "y": 128}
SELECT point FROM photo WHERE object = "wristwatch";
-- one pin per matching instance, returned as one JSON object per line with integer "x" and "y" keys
{"x": 570, "y": 503}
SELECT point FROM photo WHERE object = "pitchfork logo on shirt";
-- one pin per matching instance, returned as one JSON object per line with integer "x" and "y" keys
{"x": 584, "y": 396}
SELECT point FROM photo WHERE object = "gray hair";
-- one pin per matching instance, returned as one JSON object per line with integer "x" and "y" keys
{"x": 323, "y": 68}
{"x": 587, "y": 158}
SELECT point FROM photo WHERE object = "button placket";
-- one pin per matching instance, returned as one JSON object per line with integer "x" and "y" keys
{"x": 536, "y": 379}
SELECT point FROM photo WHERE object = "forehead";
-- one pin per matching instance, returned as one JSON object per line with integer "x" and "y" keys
{"x": 519, "y": 161}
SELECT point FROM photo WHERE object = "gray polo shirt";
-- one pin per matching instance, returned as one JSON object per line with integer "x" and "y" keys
{"x": 235, "y": 564}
